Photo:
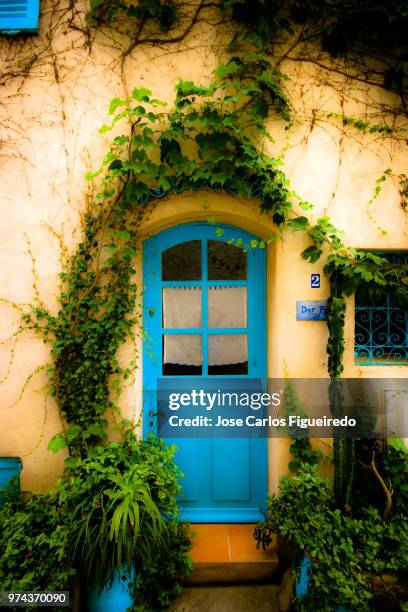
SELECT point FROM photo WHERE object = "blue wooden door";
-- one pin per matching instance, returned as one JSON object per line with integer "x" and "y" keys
{"x": 204, "y": 318}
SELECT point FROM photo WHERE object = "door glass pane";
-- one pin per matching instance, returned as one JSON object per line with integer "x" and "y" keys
{"x": 227, "y": 354}
{"x": 181, "y": 307}
{"x": 226, "y": 261}
{"x": 182, "y": 262}
{"x": 227, "y": 306}
{"x": 182, "y": 354}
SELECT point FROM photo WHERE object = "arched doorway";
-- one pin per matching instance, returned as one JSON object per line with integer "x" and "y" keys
{"x": 205, "y": 318}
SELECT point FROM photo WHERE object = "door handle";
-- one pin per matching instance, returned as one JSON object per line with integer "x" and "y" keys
{"x": 153, "y": 414}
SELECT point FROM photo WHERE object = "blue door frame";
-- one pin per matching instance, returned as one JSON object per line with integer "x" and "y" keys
{"x": 225, "y": 479}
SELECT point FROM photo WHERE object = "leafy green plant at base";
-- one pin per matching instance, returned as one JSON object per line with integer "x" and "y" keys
{"x": 112, "y": 510}
{"x": 118, "y": 500}
{"x": 395, "y": 463}
{"x": 115, "y": 515}
{"x": 346, "y": 549}
{"x": 158, "y": 579}
{"x": 302, "y": 452}
{"x": 33, "y": 546}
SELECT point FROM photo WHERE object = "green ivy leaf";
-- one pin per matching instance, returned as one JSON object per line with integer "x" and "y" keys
{"x": 139, "y": 111}
{"x": 121, "y": 140}
{"x": 123, "y": 235}
{"x": 298, "y": 224}
{"x": 116, "y": 103}
{"x": 224, "y": 70}
{"x": 105, "y": 128}
{"x": 141, "y": 94}
{"x": 312, "y": 254}
{"x": 261, "y": 107}
{"x": 304, "y": 205}
{"x": 397, "y": 444}
{"x": 170, "y": 150}
{"x": 57, "y": 443}
{"x": 116, "y": 164}
{"x": 91, "y": 175}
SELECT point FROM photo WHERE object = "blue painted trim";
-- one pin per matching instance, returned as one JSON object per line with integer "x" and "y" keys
{"x": 302, "y": 585}
{"x": 208, "y": 330}
{"x": 227, "y": 283}
{"x": 117, "y": 597}
{"x": 15, "y": 24}
{"x": 204, "y": 306}
{"x": 221, "y": 515}
{"x": 152, "y": 251}
{"x": 152, "y": 348}
{"x": 209, "y": 283}
{"x": 181, "y": 283}
{"x": 10, "y": 467}
{"x": 257, "y": 316}
{"x": 10, "y": 463}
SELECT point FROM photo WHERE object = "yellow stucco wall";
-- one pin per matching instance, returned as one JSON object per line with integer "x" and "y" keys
{"x": 49, "y": 119}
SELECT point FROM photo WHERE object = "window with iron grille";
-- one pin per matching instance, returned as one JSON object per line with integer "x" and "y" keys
{"x": 381, "y": 326}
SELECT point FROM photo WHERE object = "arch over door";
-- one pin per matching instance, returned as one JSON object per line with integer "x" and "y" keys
{"x": 205, "y": 316}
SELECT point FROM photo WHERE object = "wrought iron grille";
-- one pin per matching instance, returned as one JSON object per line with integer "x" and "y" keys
{"x": 381, "y": 328}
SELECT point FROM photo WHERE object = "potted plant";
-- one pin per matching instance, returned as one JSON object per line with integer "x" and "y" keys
{"x": 345, "y": 552}
{"x": 120, "y": 503}
{"x": 109, "y": 530}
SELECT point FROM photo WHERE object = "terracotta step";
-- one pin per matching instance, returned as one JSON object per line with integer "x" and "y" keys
{"x": 228, "y": 553}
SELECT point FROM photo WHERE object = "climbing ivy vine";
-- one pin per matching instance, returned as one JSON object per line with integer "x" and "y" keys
{"x": 349, "y": 29}
{"x": 209, "y": 140}
{"x": 206, "y": 142}
{"x": 109, "y": 11}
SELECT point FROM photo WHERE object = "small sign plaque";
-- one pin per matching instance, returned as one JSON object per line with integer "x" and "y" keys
{"x": 311, "y": 310}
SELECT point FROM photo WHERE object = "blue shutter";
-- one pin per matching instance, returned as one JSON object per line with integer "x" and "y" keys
{"x": 19, "y": 16}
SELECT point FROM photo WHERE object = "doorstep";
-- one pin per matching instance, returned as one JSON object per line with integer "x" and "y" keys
{"x": 227, "y": 553}
{"x": 227, "y": 598}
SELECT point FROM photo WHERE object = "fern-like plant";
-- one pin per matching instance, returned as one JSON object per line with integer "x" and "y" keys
{"x": 107, "y": 531}
{"x": 115, "y": 503}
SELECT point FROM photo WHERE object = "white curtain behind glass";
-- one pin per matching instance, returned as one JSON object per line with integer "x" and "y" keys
{"x": 182, "y": 349}
{"x": 181, "y": 307}
{"x": 227, "y": 349}
{"x": 227, "y": 307}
